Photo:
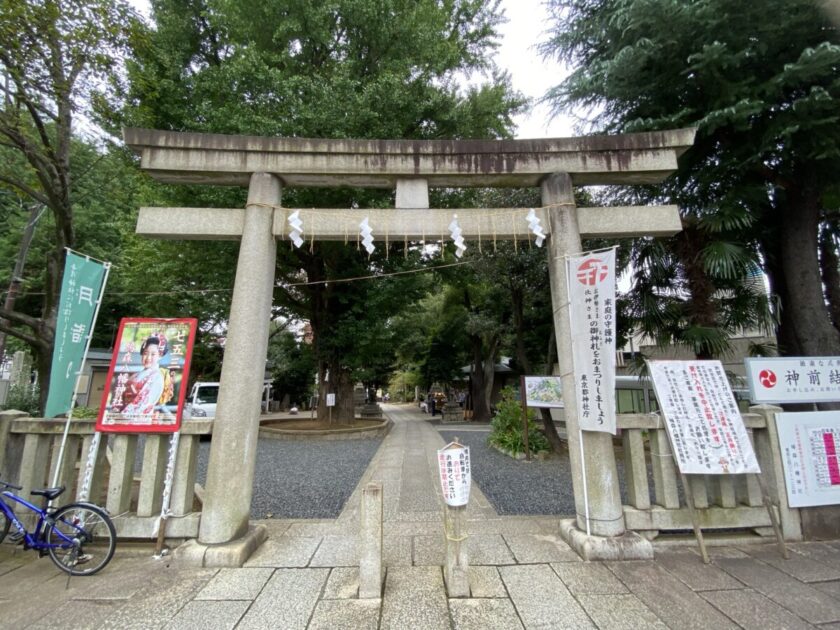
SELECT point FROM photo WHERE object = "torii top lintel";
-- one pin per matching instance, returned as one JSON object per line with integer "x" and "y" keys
{"x": 202, "y": 158}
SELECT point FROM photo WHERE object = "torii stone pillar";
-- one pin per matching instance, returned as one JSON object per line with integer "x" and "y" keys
{"x": 605, "y": 511}
{"x": 233, "y": 451}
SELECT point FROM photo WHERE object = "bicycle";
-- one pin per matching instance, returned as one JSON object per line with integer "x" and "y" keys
{"x": 79, "y": 537}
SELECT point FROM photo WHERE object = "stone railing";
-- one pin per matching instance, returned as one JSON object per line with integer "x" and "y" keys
{"x": 723, "y": 501}
{"x": 126, "y": 480}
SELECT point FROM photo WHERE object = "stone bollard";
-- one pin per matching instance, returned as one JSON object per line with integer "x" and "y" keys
{"x": 370, "y": 543}
{"x": 456, "y": 572}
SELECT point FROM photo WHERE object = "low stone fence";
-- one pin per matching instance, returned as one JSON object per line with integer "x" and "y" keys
{"x": 126, "y": 481}
{"x": 723, "y": 501}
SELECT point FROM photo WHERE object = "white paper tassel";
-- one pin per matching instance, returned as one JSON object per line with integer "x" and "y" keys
{"x": 297, "y": 228}
{"x": 535, "y": 227}
{"x": 367, "y": 235}
{"x": 455, "y": 231}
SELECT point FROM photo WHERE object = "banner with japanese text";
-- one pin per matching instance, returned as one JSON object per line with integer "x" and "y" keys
{"x": 81, "y": 288}
{"x": 591, "y": 282}
{"x": 147, "y": 380}
{"x": 705, "y": 428}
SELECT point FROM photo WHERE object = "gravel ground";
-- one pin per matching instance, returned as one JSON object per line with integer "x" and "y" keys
{"x": 303, "y": 479}
{"x": 519, "y": 487}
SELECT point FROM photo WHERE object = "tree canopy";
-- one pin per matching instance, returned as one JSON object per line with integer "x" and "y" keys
{"x": 764, "y": 93}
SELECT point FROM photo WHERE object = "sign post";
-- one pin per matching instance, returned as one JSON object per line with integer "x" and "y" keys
{"x": 330, "y": 405}
{"x": 524, "y": 401}
{"x": 705, "y": 428}
{"x": 455, "y": 480}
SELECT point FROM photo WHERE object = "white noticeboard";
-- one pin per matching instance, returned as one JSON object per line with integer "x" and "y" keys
{"x": 544, "y": 391}
{"x": 330, "y": 400}
{"x": 705, "y": 428}
{"x": 793, "y": 379}
{"x": 455, "y": 478}
{"x": 810, "y": 442}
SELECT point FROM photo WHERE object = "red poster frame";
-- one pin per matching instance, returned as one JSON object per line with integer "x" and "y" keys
{"x": 123, "y": 426}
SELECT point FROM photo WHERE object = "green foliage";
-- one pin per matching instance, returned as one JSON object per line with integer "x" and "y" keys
{"x": 23, "y": 398}
{"x": 764, "y": 95}
{"x": 506, "y": 428}
{"x": 292, "y": 366}
{"x": 86, "y": 413}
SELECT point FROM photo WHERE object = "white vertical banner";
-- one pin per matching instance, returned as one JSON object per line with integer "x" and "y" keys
{"x": 591, "y": 282}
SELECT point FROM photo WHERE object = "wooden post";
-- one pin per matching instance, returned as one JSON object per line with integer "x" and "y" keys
{"x": 457, "y": 568}
{"x": 773, "y": 520}
{"x": 695, "y": 521}
{"x": 524, "y": 401}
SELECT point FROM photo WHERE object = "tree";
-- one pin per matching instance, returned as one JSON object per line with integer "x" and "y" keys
{"x": 765, "y": 96}
{"x": 53, "y": 56}
{"x": 292, "y": 366}
{"x": 351, "y": 68}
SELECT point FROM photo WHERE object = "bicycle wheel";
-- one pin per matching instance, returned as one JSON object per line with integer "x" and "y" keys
{"x": 84, "y": 539}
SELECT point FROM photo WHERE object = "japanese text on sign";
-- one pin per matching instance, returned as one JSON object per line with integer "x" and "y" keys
{"x": 704, "y": 424}
{"x": 454, "y": 469}
{"x": 810, "y": 443}
{"x": 591, "y": 282}
{"x": 793, "y": 379}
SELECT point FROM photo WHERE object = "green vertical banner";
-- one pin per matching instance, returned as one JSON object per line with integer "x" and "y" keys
{"x": 81, "y": 289}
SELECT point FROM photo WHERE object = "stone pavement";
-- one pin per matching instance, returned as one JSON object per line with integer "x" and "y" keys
{"x": 522, "y": 574}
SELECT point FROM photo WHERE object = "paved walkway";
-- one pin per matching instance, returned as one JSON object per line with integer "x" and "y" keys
{"x": 522, "y": 574}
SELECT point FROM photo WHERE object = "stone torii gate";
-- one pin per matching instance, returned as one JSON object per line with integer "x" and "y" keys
{"x": 266, "y": 165}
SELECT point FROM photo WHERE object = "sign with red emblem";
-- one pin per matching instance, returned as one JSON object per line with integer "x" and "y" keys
{"x": 793, "y": 379}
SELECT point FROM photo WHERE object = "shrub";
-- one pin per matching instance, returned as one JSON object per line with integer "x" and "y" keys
{"x": 506, "y": 427}
{"x": 23, "y": 398}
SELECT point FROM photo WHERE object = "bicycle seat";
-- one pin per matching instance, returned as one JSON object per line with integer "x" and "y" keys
{"x": 49, "y": 493}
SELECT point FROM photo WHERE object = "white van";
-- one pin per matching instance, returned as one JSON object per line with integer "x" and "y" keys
{"x": 202, "y": 400}
{"x": 203, "y": 397}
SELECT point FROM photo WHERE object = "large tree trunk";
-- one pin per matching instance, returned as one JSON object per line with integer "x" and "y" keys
{"x": 340, "y": 384}
{"x": 830, "y": 267}
{"x": 806, "y": 325}
{"x": 481, "y": 382}
{"x": 701, "y": 307}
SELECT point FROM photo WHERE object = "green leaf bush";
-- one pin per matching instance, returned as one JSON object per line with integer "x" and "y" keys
{"x": 506, "y": 427}
{"x": 23, "y": 398}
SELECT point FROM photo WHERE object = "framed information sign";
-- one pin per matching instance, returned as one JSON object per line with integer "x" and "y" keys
{"x": 810, "y": 443}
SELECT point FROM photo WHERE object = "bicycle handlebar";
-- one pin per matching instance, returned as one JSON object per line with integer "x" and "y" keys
{"x": 9, "y": 485}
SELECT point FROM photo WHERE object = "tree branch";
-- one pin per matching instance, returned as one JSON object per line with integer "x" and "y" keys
{"x": 14, "y": 332}
{"x": 19, "y": 318}
{"x": 27, "y": 190}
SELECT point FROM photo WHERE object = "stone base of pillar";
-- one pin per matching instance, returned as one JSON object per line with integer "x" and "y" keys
{"x": 371, "y": 410}
{"x": 452, "y": 413}
{"x": 226, "y": 555}
{"x": 628, "y": 546}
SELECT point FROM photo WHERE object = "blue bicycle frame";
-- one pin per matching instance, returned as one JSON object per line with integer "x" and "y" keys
{"x": 34, "y": 539}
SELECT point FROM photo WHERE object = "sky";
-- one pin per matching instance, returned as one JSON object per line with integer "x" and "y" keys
{"x": 530, "y": 74}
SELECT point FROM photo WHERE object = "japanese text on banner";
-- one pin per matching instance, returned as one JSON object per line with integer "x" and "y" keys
{"x": 454, "y": 470}
{"x": 591, "y": 282}
{"x": 81, "y": 287}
